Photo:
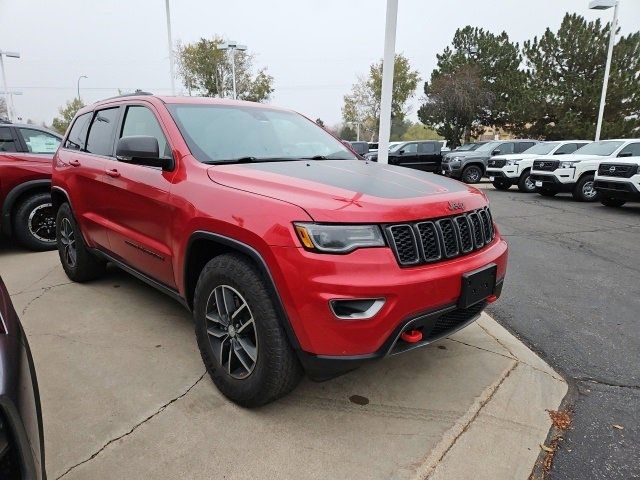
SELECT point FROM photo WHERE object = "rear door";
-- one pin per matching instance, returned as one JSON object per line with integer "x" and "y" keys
{"x": 429, "y": 156}
{"x": 138, "y": 210}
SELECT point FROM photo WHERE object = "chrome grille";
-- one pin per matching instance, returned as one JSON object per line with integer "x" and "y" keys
{"x": 546, "y": 165}
{"x": 497, "y": 163}
{"x": 617, "y": 170}
{"x": 449, "y": 237}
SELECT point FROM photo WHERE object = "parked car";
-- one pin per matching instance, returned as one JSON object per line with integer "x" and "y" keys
{"x": 361, "y": 148}
{"x": 575, "y": 173}
{"x": 507, "y": 170}
{"x": 21, "y": 432}
{"x": 26, "y": 152}
{"x": 618, "y": 181}
{"x": 292, "y": 254}
{"x": 471, "y": 166}
{"x": 467, "y": 147}
{"x": 423, "y": 155}
{"x": 373, "y": 147}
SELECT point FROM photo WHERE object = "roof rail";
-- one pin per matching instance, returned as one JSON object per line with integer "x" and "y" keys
{"x": 130, "y": 94}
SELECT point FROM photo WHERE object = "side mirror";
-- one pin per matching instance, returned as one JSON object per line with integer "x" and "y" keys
{"x": 496, "y": 152}
{"x": 401, "y": 152}
{"x": 625, "y": 154}
{"x": 142, "y": 150}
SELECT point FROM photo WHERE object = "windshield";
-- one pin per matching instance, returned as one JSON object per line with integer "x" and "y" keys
{"x": 543, "y": 148}
{"x": 468, "y": 146}
{"x": 488, "y": 147}
{"x": 599, "y": 148}
{"x": 229, "y": 133}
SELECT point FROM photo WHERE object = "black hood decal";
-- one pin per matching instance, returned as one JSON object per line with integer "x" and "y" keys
{"x": 369, "y": 178}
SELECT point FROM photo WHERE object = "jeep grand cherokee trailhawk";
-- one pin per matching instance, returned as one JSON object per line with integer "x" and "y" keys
{"x": 292, "y": 254}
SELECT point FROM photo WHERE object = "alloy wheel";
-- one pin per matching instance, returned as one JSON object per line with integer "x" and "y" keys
{"x": 68, "y": 240}
{"x": 588, "y": 191}
{"x": 42, "y": 224}
{"x": 232, "y": 331}
{"x": 529, "y": 184}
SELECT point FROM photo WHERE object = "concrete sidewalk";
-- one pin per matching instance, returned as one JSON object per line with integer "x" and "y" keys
{"x": 124, "y": 395}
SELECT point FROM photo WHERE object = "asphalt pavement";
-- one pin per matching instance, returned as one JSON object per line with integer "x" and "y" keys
{"x": 573, "y": 295}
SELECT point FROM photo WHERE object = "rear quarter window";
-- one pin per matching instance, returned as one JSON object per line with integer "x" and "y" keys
{"x": 7, "y": 142}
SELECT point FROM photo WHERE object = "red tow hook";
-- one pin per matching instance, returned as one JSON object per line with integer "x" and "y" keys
{"x": 411, "y": 336}
{"x": 492, "y": 298}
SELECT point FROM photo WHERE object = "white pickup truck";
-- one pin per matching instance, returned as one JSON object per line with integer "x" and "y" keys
{"x": 618, "y": 181}
{"x": 575, "y": 173}
{"x": 514, "y": 169}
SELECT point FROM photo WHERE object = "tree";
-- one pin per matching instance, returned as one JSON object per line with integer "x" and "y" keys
{"x": 347, "y": 133}
{"x": 488, "y": 63}
{"x": 362, "y": 105}
{"x": 565, "y": 74}
{"x": 60, "y": 124}
{"x": 417, "y": 131}
{"x": 455, "y": 104}
{"x": 4, "y": 111}
{"x": 207, "y": 70}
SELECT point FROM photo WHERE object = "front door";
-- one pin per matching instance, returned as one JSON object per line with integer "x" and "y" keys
{"x": 139, "y": 212}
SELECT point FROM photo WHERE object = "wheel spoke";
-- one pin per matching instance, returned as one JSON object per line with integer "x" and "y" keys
{"x": 213, "y": 317}
{"x": 219, "y": 352}
{"x": 229, "y": 303}
{"x": 216, "y": 332}
{"x": 220, "y": 303}
{"x": 231, "y": 348}
{"x": 235, "y": 314}
{"x": 245, "y": 325}
{"x": 239, "y": 353}
{"x": 248, "y": 348}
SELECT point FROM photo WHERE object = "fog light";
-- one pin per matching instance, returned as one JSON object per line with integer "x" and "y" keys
{"x": 356, "y": 309}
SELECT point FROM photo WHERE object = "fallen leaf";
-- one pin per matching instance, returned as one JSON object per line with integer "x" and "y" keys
{"x": 619, "y": 427}
{"x": 545, "y": 448}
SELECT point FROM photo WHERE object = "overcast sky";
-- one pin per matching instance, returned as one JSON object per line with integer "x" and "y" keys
{"x": 315, "y": 49}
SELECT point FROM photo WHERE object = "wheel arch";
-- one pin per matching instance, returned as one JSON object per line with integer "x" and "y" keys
{"x": 204, "y": 246}
{"x": 17, "y": 195}
{"x": 586, "y": 172}
{"x": 476, "y": 163}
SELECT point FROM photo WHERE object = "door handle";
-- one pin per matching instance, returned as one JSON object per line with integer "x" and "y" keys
{"x": 74, "y": 163}
{"x": 113, "y": 173}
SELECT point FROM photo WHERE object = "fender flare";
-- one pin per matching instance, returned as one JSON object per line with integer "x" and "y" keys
{"x": 252, "y": 253}
{"x": 14, "y": 194}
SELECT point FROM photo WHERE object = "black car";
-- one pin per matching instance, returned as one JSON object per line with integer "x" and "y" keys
{"x": 423, "y": 155}
{"x": 21, "y": 433}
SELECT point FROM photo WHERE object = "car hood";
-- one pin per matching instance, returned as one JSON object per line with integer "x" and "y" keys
{"x": 574, "y": 158}
{"x": 352, "y": 190}
{"x": 516, "y": 156}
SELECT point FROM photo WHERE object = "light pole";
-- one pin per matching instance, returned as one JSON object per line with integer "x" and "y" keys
{"x": 79, "y": 78}
{"x": 357, "y": 124}
{"x": 604, "y": 5}
{"x": 170, "y": 46}
{"x": 9, "y": 94}
{"x": 233, "y": 46}
{"x": 388, "y": 64}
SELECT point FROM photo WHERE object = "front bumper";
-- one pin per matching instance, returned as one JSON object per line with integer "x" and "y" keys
{"x": 560, "y": 182}
{"x": 509, "y": 173}
{"x": 624, "y": 189}
{"x": 311, "y": 280}
{"x": 452, "y": 170}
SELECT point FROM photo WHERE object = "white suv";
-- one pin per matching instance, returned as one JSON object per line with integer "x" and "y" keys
{"x": 514, "y": 169}
{"x": 618, "y": 181}
{"x": 575, "y": 173}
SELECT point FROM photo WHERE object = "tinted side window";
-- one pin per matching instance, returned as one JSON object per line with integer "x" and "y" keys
{"x": 142, "y": 121}
{"x": 102, "y": 131}
{"x": 631, "y": 150}
{"x": 38, "y": 141}
{"x": 522, "y": 146}
{"x": 426, "y": 148}
{"x": 567, "y": 148}
{"x": 7, "y": 143}
{"x": 505, "y": 148}
{"x": 77, "y": 138}
{"x": 410, "y": 148}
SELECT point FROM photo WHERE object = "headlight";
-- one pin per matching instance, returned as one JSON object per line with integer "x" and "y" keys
{"x": 513, "y": 162}
{"x": 456, "y": 159}
{"x": 569, "y": 164}
{"x": 338, "y": 238}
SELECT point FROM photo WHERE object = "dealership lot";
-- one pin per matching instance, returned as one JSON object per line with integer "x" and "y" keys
{"x": 124, "y": 392}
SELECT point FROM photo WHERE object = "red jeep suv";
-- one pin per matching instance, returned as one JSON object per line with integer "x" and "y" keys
{"x": 26, "y": 152}
{"x": 293, "y": 254}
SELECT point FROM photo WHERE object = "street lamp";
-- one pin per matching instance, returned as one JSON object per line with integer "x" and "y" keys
{"x": 233, "y": 46}
{"x": 172, "y": 67}
{"x": 79, "y": 78}
{"x": 604, "y": 5}
{"x": 4, "y": 80}
{"x": 388, "y": 64}
{"x": 357, "y": 124}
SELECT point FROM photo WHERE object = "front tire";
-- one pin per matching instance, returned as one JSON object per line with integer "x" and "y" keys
{"x": 612, "y": 202}
{"x": 472, "y": 174}
{"x": 240, "y": 335}
{"x": 525, "y": 184}
{"x": 34, "y": 224}
{"x": 78, "y": 262}
{"x": 499, "y": 184}
{"x": 584, "y": 191}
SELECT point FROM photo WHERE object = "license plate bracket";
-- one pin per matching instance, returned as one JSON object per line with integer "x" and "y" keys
{"x": 478, "y": 285}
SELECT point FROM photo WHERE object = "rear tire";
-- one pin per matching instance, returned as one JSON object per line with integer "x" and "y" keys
{"x": 472, "y": 174}
{"x": 34, "y": 224}
{"x": 244, "y": 348}
{"x": 612, "y": 202}
{"x": 525, "y": 184}
{"x": 584, "y": 191}
{"x": 501, "y": 185}
{"x": 78, "y": 262}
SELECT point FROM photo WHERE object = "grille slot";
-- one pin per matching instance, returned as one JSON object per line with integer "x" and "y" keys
{"x": 617, "y": 170}
{"x": 429, "y": 240}
{"x": 404, "y": 243}
{"x": 546, "y": 165}
{"x": 476, "y": 227}
{"x": 486, "y": 226}
{"x": 448, "y": 236}
{"x": 464, "y": 232}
